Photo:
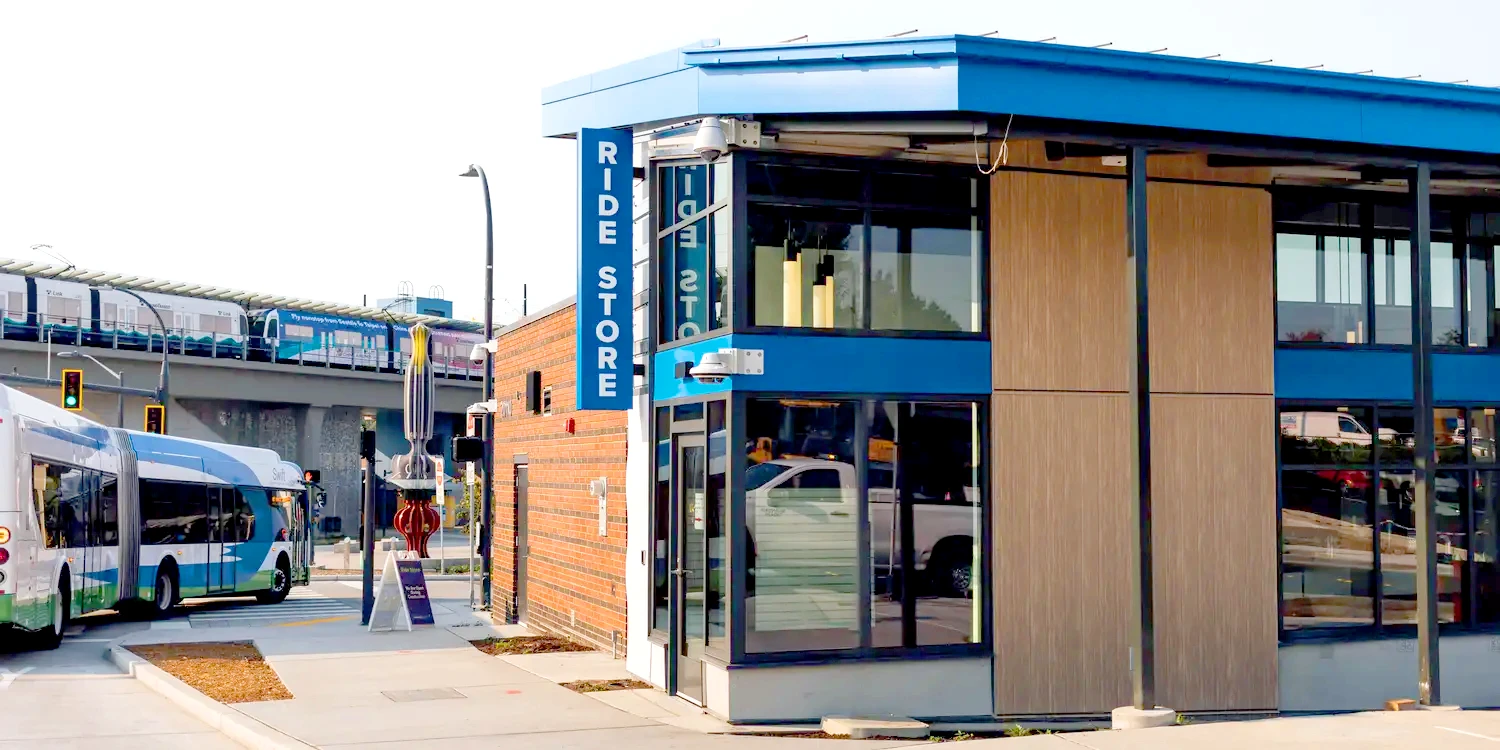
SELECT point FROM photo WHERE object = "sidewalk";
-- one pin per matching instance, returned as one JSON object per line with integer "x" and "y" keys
{"x": 355, "y": 689}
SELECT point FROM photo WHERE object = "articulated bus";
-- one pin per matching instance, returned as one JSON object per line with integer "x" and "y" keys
{"x": 95, "y": 517}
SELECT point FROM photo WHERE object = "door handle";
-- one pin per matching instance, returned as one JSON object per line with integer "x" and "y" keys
{"x": 679, "y": 572}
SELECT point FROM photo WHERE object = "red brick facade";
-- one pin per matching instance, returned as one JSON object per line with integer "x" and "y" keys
{"x": 575, "y": 578}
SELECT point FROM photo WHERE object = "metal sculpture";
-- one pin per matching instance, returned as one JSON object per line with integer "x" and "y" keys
{"x": 415, "y": 473}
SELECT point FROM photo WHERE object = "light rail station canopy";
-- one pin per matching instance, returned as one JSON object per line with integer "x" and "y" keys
{"x": 1047, "y": 87}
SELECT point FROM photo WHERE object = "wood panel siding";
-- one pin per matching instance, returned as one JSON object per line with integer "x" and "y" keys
{"x": 1062, "y": 595}
{"x": 1214, "y": 526}
{"x": 1032, "y": 154}
{"x": 1212, "y": 324}
{"x": 1058, "y": 298}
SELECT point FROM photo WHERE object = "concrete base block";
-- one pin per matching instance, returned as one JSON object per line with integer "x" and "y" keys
{"x": 1130, "y": 717}
{"x": 864, "y": 727}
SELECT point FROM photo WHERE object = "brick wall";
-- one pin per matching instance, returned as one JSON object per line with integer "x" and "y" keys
{"x": 575, "y": 578}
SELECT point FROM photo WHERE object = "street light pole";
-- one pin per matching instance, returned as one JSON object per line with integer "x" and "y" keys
{"x": 166, "y": 346}
{"x": 486, "y": 507}
{"x": 118, "y": 376}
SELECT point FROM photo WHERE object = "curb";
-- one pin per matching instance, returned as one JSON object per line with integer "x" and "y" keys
{"x": 233, "y": 724}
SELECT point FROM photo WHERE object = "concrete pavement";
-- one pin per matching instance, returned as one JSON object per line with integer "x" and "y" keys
{"x": 359, "y": 690}
{"x": 72, "y": 698}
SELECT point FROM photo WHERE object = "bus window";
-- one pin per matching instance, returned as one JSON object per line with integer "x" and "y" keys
{"x": 173, "y": 513}
{"x": 106, "y": 517}
{"x": 244, "y": 519}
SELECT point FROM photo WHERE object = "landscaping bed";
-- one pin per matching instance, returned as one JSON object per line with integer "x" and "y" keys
{"x": 529, "y": 644}
{"x": 228, "y": 672}
{"x": 599, "y": 686}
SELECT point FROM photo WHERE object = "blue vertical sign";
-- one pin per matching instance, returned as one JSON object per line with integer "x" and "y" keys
{"x": 605, "y": 370}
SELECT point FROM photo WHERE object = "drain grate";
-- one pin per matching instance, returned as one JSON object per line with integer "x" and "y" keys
{"x": 428, "y": 694}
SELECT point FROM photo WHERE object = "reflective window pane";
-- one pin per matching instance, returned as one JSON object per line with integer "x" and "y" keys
{"x": 1396, "y": 435}
{"x": 805, "y": 266}
{"x": 801, "y": 524}
{"x": 1315, "y": 434}
{"x": 1482, "y": 435}
{"x": 1477, "y": 297}
{"x": 1327, "y": 549}
{"x": 1392, "y": 292}
{"x": 1486, "y": 547}
{"x": 1450, "y": 435}
{"x": 1398, "y": 545}
{"x": 1320, "y": 288}
{"x": 718, "y": 569}
{"x": 693, "y": 259}
{"x": 1447, "y": 329}
{"x": 661, "y": 517}
{"x": 924, "y": 271}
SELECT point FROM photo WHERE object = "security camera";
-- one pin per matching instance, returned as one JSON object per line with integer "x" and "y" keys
{"x": 710, "y": 369}
{"x": 478, "y": 354}
{"x": 709, "y": 144}
{"x": 483, "y": 407}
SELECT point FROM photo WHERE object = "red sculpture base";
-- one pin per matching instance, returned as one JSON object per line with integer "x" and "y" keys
{"x": 417, "y": 521}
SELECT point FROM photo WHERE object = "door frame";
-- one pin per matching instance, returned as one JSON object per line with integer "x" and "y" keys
{"x": 523, "y": 531}
{"x": 680, "y": 531}
{"x": 213, "y": 577}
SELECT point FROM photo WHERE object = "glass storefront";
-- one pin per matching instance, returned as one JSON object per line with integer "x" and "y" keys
{"x": 1348, "y": 539}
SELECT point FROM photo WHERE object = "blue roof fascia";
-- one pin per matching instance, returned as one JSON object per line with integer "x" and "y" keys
{"x": 999, "y": 76}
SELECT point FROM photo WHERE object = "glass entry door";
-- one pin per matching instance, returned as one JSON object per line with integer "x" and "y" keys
{"x": 691, "y": 569}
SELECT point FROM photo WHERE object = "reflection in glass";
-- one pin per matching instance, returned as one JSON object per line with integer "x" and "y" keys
{"x": 805, "y": 266}
{"x": 1486, "y": 547}
{"x": 1398, "y": 545}
{"x": 1482, "y": 435}
{"x": 1446, "y": 327}
{"x": 1327, "y": 553}
{"x": 1397, "y": 435}
{"x": 718, "y": 570}
{"x": 924, "y": 507}
{"x": 924, "y": 271}
{"x": 661, "y": 518}
{"x": 1326, "y": 435}
{"x": 1392, "y": 292}
{"x": 1450, "y": 435}
{"x": 802, "y": 526}
{"x": 1320, "y": 288}
{"x": 694, "y": 259}
{"x": 694, "y": 520}
{"x": 1477, "y": 296}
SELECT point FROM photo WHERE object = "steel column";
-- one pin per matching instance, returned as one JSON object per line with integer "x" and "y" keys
{"x": 1425, "y": 453}
{"x": 367, "y": 541}
{"x": 1137, "y": 278}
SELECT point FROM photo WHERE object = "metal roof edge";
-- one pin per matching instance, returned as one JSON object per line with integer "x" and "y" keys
{"x": 639, "y": 69}
{"x": 547, "y": 311}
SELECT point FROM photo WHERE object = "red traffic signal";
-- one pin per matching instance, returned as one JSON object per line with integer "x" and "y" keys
{"x": 72, "y": 390}
{"x": 156, "y": 419}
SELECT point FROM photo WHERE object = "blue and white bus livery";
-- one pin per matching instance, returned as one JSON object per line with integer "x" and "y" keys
{"x": 94, "y": 517}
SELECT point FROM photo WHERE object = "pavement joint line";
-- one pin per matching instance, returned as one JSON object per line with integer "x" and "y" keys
{"x": 1471, "y": 734}
{"x": 229, "y": 721}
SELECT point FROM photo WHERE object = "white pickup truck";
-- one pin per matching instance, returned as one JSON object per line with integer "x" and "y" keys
{"x": 804, "y": 528}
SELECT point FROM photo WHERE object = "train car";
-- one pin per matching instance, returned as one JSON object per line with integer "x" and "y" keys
{"x": 195, "y": 326}
{"x": 17, "y": 320}
{"x": 62, "y": 308}
{"x": 448, "y": 351}
{"x": 104, "y": 518}
{"x": 317, "y": 338}
{"x": 73, "y": 313}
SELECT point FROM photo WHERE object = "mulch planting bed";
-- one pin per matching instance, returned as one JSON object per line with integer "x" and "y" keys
{"x": 599, "y": 686}
{"x": 231, "y": 672}
{"x": 529, "y": 644}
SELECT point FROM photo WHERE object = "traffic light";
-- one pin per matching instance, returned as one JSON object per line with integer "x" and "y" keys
{"x": 72, "y": 390}
{"x": 156, "y": 418}
{"x": 312, "y": 476}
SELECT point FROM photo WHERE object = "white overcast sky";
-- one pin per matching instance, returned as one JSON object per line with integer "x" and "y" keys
{"x": 313, "y": 148}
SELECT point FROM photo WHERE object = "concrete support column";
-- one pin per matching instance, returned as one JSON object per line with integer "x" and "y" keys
{"x": 310, "y": 443}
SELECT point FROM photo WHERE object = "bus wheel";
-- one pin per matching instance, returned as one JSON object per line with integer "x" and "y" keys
{"x": 281, "y": 584}
{"x": 62, "y": 609}
{"x": 166, "y": 593}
